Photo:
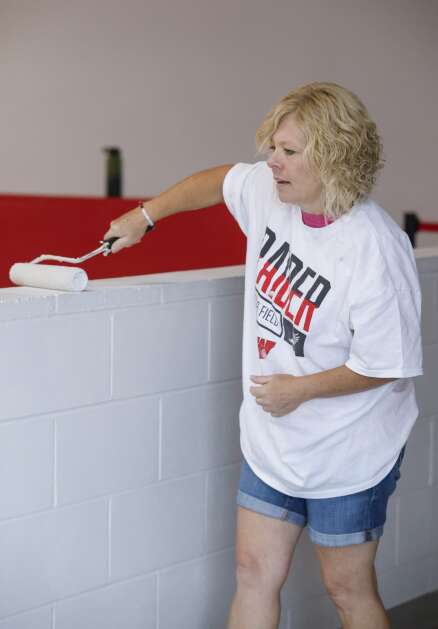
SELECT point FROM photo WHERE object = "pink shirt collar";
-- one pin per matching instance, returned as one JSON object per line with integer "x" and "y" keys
{"x": 314, "y": 220}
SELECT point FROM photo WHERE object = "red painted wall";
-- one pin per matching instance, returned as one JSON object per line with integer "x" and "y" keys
{"x": 73, "y": 226}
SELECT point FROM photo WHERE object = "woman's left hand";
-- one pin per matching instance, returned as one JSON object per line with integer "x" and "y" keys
{"x": 278, "y": 394}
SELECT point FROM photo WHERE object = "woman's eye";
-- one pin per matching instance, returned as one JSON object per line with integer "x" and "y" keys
{"x": 287, "y": 151}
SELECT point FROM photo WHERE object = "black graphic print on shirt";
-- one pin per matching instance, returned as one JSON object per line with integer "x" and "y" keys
{"x": 282, "y": 307}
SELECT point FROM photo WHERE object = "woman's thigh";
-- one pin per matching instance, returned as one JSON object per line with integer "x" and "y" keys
{"x": 264, "y": 547}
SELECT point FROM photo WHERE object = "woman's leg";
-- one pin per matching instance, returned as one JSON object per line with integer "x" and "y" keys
{"x": 264, "y": 550}
{"x": 346, "y": 533}
{"x": 349, "y": 576}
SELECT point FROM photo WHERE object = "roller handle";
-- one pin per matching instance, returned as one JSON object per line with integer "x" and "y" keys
{"x": 107, "y": 244}
{"x": 110, "y": 242}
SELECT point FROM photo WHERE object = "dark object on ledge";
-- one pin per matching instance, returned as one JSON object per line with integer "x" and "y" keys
{"x": 113, "y": 171}
{"x": 412, "y": 224}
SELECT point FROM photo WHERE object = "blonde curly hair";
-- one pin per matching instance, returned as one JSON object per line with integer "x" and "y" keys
{"x": 343, "y": 146}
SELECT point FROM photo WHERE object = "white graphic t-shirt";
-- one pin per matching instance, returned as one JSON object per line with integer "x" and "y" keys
{"x": 315, "y": 299}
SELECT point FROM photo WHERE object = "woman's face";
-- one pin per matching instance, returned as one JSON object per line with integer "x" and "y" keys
{"x": 295, "y": 183}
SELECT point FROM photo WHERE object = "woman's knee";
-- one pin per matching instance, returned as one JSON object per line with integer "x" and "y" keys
{"x": 345, "y": 588}
{"x": 264, "y": 549}
{"x": 253, "y": 571}
{"x": 348, "y": 572}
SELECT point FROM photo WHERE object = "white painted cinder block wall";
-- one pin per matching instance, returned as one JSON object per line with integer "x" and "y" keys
{"x": 119, "y": 459}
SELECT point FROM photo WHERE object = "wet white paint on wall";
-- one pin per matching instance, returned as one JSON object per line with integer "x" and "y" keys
{"x": 119, "y": 455}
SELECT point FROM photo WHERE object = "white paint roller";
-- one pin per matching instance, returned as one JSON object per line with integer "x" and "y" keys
{"x": 48, "y": 276}
{"x": 56, "y": 277}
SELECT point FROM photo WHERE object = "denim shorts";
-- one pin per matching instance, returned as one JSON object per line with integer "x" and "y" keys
{"x": 340, "y": 521}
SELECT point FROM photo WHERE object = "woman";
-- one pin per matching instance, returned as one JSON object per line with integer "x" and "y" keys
{"x": 331, "y": 344}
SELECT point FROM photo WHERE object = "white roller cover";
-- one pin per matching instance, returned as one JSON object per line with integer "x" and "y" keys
{"x": 48, "y": 276}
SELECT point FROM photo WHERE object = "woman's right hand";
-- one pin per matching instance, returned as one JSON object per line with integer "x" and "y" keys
{"x": 129, "y": 228}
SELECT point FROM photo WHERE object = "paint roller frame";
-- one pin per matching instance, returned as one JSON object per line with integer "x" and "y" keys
{"x": 56, "y": 277}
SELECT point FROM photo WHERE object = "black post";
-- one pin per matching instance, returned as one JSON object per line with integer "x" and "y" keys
{"x": 113, "y": 171}
{"x": 411, "y": 226}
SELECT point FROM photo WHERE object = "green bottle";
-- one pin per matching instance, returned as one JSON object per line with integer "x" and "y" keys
{"x": 113, "y": 171}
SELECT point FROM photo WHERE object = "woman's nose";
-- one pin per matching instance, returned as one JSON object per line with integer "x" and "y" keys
{"x": 273, "y": 159}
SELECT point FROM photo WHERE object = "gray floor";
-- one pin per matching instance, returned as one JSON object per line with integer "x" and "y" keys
{"x": 421, "y": 613}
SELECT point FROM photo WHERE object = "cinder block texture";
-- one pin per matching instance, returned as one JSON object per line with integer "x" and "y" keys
{"x": 131, "y": 605}
{"x": 200, "y": 429}
{"x": 434, "y": 465}
{"x": 414, "y": 470}
{"x": 157, "y": 526}
{"x": 106, "y": 449}
{"x": 429, "y": 311}
{"x": 25, "y": 303}
{"x": 314, "y": 612}
{"x": 54, "y": 363}
{"x": 120, "y": 460}
{"x": 50, "y": 556}
{"x": 425, "y": 385}
{"x": 222, "y": 485}
{"x": 404, "y": 583}
{"x": 415, "y": 525}
{"x": 181, "y": 291}
{"x": 199, "y": 593}
{"x": 226, "y": 338}
{"x": 433, "y": 573}
{"x": 39, "y": 619}
{"x": 26, "y": 466}
{"x": 160, "y": 348}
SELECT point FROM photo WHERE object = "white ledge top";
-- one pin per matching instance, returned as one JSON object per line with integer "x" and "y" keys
{"x": 195, "y": 275}
{"x": 20, "y": 302}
